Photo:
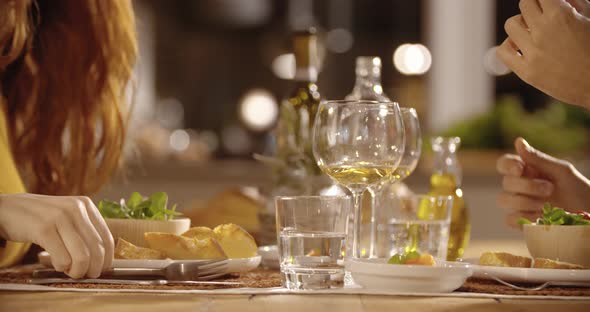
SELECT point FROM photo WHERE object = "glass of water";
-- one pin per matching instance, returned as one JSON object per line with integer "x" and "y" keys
{"x": 414, "y": 223}
{"x": 311, "y": 234}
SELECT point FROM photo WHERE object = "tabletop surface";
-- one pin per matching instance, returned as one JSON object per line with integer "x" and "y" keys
{"x": 71, "y": 301}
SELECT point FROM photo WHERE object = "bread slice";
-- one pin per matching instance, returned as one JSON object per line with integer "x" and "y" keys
{"x": 126, "y": 250}
{"x": 199, "y": 232}
{"x": 504, "y": 259}
{"x": 542, "y": 263}
{"x": 236, "y": 242}
{"x": 183, "y": 248}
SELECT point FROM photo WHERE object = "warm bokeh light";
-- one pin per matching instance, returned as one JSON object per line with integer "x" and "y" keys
{"x": 179, "y": 140}
{"x": 170, "y": 113}
{"x": 493, "y": 65}
{"x": 283, "y": 66}
{"x": 235, "y": 140}
{"x": 258, "y": 110}
{"x": 210, "y": 139}
{"x": 412, "y": 59}
{"x": 339, "y": 40}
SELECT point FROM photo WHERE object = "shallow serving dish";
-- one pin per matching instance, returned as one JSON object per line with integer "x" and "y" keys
{"x": 378, "y": 274}
{"x": 569, "y": 243}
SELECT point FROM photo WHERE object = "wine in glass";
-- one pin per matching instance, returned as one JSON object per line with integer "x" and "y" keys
{"x": 360, "y": 145}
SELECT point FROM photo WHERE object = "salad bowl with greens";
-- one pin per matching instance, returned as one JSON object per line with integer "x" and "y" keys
{"x": 153, "y": 207}
{"x": 559, "y": 235}
{"x": 557, "y": 216}
{"x": 129, "y": 219}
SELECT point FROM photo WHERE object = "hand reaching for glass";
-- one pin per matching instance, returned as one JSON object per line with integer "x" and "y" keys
{"x": 70, "y": 228}
{"x": 547, "y": 47}
{"x": 532, "y": 178}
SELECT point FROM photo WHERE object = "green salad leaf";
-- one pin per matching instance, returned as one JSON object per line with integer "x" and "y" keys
{"x": 154, "y": 207}
{"x": 402, "y": 258}
{"x": 557, "y": 216}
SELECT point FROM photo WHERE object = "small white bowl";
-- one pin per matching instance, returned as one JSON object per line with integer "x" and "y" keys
{"x": 379, "y": 275}
{"x": 132, "y": 230}
{"x": 569, "y": 243}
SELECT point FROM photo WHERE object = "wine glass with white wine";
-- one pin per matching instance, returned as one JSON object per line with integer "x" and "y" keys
{"x": 360, "y": 145}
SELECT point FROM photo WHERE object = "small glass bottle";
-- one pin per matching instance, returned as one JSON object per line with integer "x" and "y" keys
{"x": 446, "y": 181}
{"x": 368, "y": 80}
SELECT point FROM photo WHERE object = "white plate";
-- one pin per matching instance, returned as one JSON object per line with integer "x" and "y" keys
{"x": 235, "y": 265}
{"x": 529, "y": 275}
{"x": 378, "y": 274}
{"x": 270, "y": 256}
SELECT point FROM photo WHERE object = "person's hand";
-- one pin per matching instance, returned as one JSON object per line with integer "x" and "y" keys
{"x": 532, "y": 178}
{"x": 70, "y": 228}
{"x": 547, "y": 47}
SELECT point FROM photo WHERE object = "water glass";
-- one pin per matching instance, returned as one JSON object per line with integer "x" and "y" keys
{"x": 311, "y": 239}
{"x": 414, "y": 223}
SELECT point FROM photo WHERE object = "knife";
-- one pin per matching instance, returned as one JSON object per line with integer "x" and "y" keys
{"x": 41, "y": 281}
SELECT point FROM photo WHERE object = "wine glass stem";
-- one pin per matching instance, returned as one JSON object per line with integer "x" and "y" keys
{"x": 356, "y": 232}
{"x": 375, "y": 195}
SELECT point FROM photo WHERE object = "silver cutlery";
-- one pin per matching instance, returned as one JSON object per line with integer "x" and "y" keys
{"x": 176, "y": 271}
{"x": 538, "y": 287}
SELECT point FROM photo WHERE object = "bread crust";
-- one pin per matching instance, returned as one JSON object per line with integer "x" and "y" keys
{"x": 183, "y": 248}
{"x": 126, "y": 250}
{"x": 199, "y": 232}
{"x": 236, "y": 242}
{"x": 542, "y": 263}
{"x": 504, "y": 259}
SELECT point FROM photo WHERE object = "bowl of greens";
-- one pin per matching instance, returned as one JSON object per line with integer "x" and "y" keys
{"x": 559, "y": 235}
{"x": 130, "y": 218}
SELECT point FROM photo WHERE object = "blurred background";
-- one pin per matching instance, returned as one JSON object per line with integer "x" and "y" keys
{"x": 212, "y": 74}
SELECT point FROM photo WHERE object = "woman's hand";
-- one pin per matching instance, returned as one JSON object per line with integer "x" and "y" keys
{"x": 548, "y": 46}
{"x": 70, "y": 228}
{"x": 532, "y": 178}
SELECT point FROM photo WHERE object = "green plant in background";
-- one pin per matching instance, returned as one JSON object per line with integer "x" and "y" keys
{"x": 153, "y": 207}
{"x": 558, "y": 128}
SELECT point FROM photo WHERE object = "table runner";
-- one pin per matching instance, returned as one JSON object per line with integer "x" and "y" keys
{"x": 263, "y": 281}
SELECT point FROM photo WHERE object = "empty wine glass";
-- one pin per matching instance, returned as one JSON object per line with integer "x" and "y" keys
{"x": 412, "y": 151}
{"x": 359, "y": 144}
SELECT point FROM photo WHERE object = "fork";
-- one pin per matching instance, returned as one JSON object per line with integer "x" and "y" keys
{"x": 176, "y": 271}
{"x": 538, "y": 287}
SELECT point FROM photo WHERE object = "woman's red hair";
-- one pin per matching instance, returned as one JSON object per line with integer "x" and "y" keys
{"x": 64, "y": 69}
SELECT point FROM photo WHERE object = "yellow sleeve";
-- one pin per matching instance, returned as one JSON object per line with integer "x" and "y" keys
{"x": 10, "y": 183}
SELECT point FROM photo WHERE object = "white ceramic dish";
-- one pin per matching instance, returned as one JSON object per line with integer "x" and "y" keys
{"x": 529, "y": 275}
{"x": 270, "y": 256}
{"x": 235, "y": 265}
{"x": 378, "y": 274}
{"x": 567, "y": 243}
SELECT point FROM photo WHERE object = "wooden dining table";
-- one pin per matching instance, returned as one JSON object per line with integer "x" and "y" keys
{"x": 134, "y": 301}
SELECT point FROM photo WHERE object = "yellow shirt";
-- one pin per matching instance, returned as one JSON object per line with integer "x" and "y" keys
{"x": 10, "y": 183}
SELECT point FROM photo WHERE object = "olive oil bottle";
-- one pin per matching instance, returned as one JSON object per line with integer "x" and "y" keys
{"x": 446, "y": 181}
